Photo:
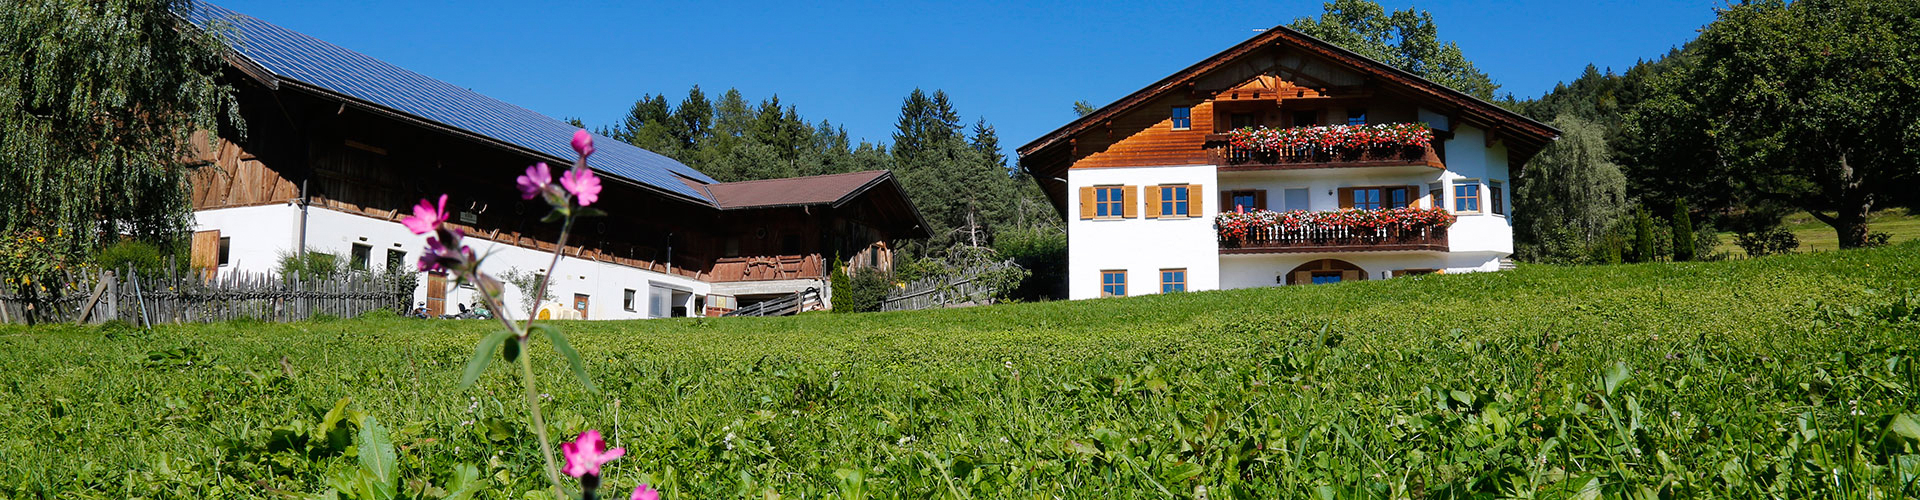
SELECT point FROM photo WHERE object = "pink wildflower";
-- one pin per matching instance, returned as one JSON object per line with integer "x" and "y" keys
{"x": 426, "y": 216}
{"x": 644, "y": 492}
{"x": 535, "y": 181}
{"x": 583, "y": 184}
{"x": 585, "y": 454}
{"x": 583, "y": 143}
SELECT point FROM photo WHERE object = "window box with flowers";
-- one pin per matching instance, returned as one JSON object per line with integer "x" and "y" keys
{"x": 1397, "y": 143}
{"x": 1408, "y": 228}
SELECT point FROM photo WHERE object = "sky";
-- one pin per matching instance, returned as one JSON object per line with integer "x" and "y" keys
{"x": 1019, "y": 65}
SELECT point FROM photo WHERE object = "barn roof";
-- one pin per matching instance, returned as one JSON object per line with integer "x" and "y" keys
{"x": 291, "y": 56}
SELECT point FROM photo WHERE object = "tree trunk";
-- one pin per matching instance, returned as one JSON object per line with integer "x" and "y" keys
{"x": 1851, "y": 224}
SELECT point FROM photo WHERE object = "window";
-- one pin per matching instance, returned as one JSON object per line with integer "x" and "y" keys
{"x": 1496, "y": 198}
{"x": 662, "y": 299}
{"x": 1245, "y": 200}
{"x": 1434, "y": 198}
{"x": 1113, "y": 283}
{"x": 1182, "y": 118}
{"x": 226, "y": 249}
{"x": 627, "y": 302}
{"x": 1323, "y": 277}
{"x": 1242, "y": 120}
{"x": 1357, "y": 116}
{"x": 1297, "y": 199}
{"x": 1306, "y": 118}
{"x": 1109, "y": 201}
{"x": 396, "y": 260}
{"x": 1173, "y": 201}
{"x": 1366, "y": 198}
{"x": 1466, "y": 196}
{"x": 1173, "y": 280}
{"x": 361, "y": 255}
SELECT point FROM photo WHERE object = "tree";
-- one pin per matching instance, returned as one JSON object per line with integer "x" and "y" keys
{"x": 1404, "y": 39}
{"x": 1082, "y": 108}
{"x": 1643, "y": 247}
{"x": 99, "y": 105}
{"x": 1809, "y": 105}
{"x": 1568, "y": 195}
{"x": 1683, "y": 238}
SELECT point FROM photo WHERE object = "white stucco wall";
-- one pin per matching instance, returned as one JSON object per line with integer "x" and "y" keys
{"x": 1469, "y": 159}
{"x": 261, "y": 234}
{"x": 1139, "y": 245}
{"x": 1261, "y": 270}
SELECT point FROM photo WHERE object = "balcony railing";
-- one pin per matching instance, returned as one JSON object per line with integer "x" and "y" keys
{"x": 1220, "y": 151}
{"x": 1279, "y": 239}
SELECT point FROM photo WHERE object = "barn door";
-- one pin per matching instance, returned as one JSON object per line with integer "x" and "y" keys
{"x": 436, "y": 294}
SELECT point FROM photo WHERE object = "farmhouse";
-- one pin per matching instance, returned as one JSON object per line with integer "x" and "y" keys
{"x": 338, "y": 146}
{"x": 1283, "y": 160}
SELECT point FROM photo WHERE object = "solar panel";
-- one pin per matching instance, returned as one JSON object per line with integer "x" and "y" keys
{"x": 295, "y": 56}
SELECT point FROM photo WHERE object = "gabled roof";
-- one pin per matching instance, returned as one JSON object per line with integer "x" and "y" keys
{"x": 323, "y": 67}
{"x": 1533, "y": 133}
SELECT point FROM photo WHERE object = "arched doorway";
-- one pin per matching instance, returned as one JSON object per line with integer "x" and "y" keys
{"x": 1325, "y": 271}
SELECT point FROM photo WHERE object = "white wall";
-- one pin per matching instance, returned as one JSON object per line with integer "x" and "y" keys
{"x": 1260, "y": 270}
{"x": 1469, "y": 159}
{"x": 261, "y": 234}
{"x": 1139, "y": 245}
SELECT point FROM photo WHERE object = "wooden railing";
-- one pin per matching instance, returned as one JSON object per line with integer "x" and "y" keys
{"x": 1277, "y": 239}
{"x": 783, "y": 306}
{"x": 777, "y": 267}
{"x": 1220, "y": 151}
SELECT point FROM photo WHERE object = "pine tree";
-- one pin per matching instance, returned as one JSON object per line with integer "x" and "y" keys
{"x": 1643, "y": 236}
{"x": 693, "y": 120}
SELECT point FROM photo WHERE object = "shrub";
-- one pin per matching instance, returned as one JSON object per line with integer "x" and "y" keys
{"x": 1878, "y": 239}
{"x": 1772, "y": 241}
{"x": 1041, "y": 251}
{"x": 861, "y": 292}
{"x": 1684, "y": 248}
{"x": 311, "y": 266}
{"x": 1643, "y": 242}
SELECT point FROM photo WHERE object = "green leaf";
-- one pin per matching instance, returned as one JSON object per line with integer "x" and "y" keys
{"x": 482, "y": 354}
{"x": 1181, "y": 472}
{"x": 1907, "y": 425}
{"x": 1615, "y": 375}
{"x": 556, "y": 215}
{"x": 463, "y": 484}
{"x": 589, "y": 212}
{"x": 566, "y": 350}
{"x": 377, "y": 455}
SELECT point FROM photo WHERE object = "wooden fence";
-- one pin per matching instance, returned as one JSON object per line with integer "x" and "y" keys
{"x": 784, "y": 306}
{"x": 149, "y": 300}
{"x": 960, "y": 289}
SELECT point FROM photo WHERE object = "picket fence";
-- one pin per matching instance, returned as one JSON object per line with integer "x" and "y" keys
{"x": 958, "y": 289}
{"x": 149, "y": 300}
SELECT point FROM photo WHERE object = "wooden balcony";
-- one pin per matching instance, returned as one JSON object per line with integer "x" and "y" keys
{"x": 766, "y": 268}
{"x": 1277, "y": 239}
{"x": 1220, "y": 151}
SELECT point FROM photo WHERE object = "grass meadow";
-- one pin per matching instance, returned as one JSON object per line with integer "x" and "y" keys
{"x": 1782, "y": 377}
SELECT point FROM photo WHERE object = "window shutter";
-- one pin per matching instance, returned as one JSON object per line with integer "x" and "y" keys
{"x": 1226, "y": 202}
{"x": 1413, "y": 196}
{"x": 1346, "y": 276}
{"x": 1302, "y": 277}
{"x": 1086, "y": 203}
{"x": 1259, "y": 200}
{"x": 1153, "y": 202}
{"x": 1131, "y": 200}
{"x": 1194, "y": 202}
{"x": 1346, "y": 197}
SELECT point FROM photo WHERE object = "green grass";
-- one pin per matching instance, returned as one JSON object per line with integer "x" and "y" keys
{"x": 1902, "y": 225}
{"x": 1786, "y": 377}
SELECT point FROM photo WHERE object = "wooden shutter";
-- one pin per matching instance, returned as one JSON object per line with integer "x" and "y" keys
{"x": 205, "y": 253}
{"x": 1226, "y": 202}
{"x": 1131, "y": 200}
{"x": 1349, "y": 275}
{"x": 1259, "y": 199}
{"x": 1086, "y": 203}
{"x": 1195, "y": 203}
{"x": 1302, "y": 277}
{"x": 1153, "y": 202}
{"x": 1346, "y": 197}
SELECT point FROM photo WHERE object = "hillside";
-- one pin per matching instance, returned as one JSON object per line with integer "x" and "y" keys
{"x": 1786, "y": 376}
{"x": 1899, "y": 224}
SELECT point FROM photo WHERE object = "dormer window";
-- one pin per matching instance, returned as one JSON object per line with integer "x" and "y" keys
{"x": 1182, "y": 117}
{"x": 1356, "y": 116}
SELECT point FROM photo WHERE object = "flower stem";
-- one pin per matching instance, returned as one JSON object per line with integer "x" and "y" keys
{"x": 539, "y": 422}
{"x": 541, "y": 295}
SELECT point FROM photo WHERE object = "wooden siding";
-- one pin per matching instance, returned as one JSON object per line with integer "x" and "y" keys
{"x": 229, "y": 176}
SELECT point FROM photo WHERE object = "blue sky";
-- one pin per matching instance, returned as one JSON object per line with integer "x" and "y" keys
{"x": 1018, "y": 64}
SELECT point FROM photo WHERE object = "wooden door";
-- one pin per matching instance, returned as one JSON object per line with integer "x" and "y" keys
{"x": 436, "y": 294}
{"x": 580, "y": 304}
{"x": 204, "y": 257}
